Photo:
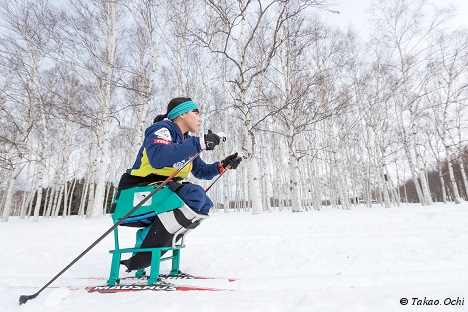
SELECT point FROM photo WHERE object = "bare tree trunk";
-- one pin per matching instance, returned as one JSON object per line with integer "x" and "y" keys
{"x": 24, "y": 201}
{"x": 7, "y": 207}
{"x": 383, "y": 176}
{"x": 414, "y": 174}
{"x": 396, "y": 197}
{"x": 29, "y": 193}
{"x": 405, "y": 29}
{"x": 102, "y": 169}
{"x": 463, "y": 173}
{"x": 57, "y": 200}
{"x": 145, "y": 17}
{"x": 442, "y": 181}
{"x": 254, "y": 175}
{"x": 316, "y": 194}
{"x": 68, "y": 213}
{"x": 31, "y": 201}
{"x": 106, "y": 203}
{"x": 294, "y": 176}
{"x": 84, "y": 196}
{"x": 91, "y": 178}
{"x": 104, "y": 130}
{"x": 64, "y": 195}
{"x": 457, "y": 199}
{"x": 64, "y": 176}
{"x": 52, "y": 207}
{"x": 225, "y": 195}
{"x": 264, "y": 173}
{"x": 337, "y": 173}
{"x": 427, "y": 200}
{"x": 37, "y": 206}
{"x": 248, "y": 42}
{"x": 49, "y": 198}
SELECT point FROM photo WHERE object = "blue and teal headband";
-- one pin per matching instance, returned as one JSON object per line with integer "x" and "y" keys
{"x": 182, "y": 108}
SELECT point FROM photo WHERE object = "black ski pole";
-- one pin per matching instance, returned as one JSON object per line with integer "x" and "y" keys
{"x": 217, "y": 178}
{"x": 24, "y": 298}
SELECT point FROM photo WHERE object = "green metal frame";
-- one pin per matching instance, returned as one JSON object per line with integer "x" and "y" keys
{"x": 166, "y": 200}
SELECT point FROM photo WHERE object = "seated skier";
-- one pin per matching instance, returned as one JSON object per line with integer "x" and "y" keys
{"x": 167, "y": 146}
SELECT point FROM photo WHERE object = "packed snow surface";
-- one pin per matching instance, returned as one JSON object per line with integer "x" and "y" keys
{"x": 364, "y": 259}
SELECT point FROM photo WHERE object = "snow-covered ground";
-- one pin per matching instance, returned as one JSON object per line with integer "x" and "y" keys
{"x": 365, "y": 259}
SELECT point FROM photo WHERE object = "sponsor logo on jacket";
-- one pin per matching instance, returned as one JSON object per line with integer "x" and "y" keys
{"x": 179, "y": 164}
{"x": 164, "y": 134}
{"x": 161, "y": 141}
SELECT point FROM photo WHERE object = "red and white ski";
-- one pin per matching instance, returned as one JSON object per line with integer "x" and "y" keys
{"x": 159, "y": 286}
{"x": 167, "y": 282}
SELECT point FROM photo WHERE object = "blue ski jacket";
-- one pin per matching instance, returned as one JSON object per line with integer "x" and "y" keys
{"x": 165, "y": 149}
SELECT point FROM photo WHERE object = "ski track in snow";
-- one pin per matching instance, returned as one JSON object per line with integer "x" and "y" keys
{"x": 365, "y": 259}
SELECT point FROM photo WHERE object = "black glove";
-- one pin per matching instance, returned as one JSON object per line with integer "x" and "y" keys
{"x": 211, "y": 140}
{"x": 232, "y": 161}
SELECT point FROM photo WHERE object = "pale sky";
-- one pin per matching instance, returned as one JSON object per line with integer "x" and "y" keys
{"x": 353, "y": 12}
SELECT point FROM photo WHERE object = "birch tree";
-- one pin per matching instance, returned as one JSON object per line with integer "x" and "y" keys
{"x": 374, "y": 90}
{"x": 143, "y": 52}
{"x": 29, "y": 30}
{"x": 91, "y": 42}
{"x": 68, "y": 96}
{"x": 434, "y": 147}
{"x": 245, "y": 33}
{"x": 448, "y": 72}
{"x": 406, "y": 27}
{"x": 329, "y": 56}
{"x": 18, "y": 118}
{"x": 296, "y": 104}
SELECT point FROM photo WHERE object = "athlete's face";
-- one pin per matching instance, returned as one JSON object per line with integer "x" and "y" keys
{"x": 189, "y": 121}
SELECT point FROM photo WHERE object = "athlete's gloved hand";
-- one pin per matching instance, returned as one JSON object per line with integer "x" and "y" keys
{"x": 231, "y": 162}
{"x": 211, "y": 140}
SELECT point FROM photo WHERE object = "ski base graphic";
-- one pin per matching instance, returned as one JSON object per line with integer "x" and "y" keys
{"x": 160, "y": 286}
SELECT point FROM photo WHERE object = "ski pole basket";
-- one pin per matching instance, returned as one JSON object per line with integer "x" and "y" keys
{"x": 165, "y": 214}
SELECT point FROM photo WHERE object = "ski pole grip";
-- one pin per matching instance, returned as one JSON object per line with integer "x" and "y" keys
{"x": 229, "y": 166}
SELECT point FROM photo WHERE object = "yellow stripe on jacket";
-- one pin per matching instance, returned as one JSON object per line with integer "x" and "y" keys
{"x": 146, "y": 169}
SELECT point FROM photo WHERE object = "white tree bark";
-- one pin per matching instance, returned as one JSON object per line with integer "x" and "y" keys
{"x": 148, "y": 48}
{"x": 383, "y": 177}
{"x": 426, "y": 199}
{"x": 249, "y": 43}
{"x": 90, "y": 180}
{"x": 294, "y": 183}
{"x": 442, "y": 181}
{"x": 253, "y": 171}
{"x": 463, "y": 173}
{"x": 27, "y": 38}
{"x": 39, "y": 190}
{"x": 49, "y": 199}
{"x": 104, "y": 131}
{"x": 72, "y": 191}
{"x": 405, "y": 28}
{"x": 9, "y": 193}
{"x": 456, "y": 195}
